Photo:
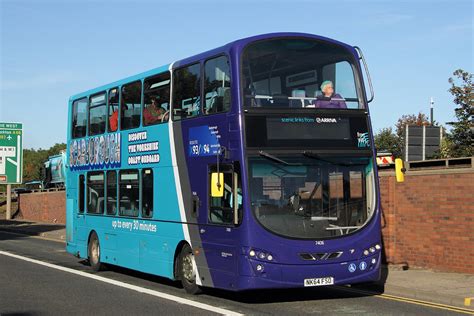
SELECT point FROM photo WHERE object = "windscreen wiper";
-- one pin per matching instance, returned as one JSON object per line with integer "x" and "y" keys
{"x": 276, "y": 159}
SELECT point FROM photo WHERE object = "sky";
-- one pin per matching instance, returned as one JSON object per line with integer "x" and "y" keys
{"x": 50, "y": 50}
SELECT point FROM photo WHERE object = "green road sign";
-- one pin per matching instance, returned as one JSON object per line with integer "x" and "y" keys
{"x": 11, "y": 153}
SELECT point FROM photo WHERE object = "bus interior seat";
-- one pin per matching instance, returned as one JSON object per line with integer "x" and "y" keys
{"x": 297, "y": 93}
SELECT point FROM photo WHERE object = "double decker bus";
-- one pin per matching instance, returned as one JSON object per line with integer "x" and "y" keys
{"x": 248, "y": 166}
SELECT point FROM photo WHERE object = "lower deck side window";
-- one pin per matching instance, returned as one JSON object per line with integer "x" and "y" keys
{"x": 95, "y": 192}
{"x": 147, "y": 193}
{"x": 111, "y": 192}
{"x": 129, "y": 193}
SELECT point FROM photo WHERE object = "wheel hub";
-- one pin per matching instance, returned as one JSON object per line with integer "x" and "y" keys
{"x": 188, "y": 268}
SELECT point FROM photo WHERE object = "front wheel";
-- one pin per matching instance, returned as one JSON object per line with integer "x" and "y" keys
{"x": 187, "y": 270}
{"x": 93, "y": 253}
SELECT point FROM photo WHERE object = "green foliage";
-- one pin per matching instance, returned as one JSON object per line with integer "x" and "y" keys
{"x": 461, "y": 138}
{"x": 387, "y": 140}
{"x": 411, "y": 119}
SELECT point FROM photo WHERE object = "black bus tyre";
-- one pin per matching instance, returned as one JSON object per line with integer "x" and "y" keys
{"x": 187, "y": 270}
{"x": 93, "y": 253}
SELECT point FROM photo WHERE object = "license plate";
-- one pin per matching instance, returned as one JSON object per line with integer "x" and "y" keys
{"x": 319, "y": 281}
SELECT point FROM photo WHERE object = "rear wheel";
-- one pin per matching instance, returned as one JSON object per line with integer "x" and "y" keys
{"x": 187, "y": 270}
{"x": 93, "y": 252}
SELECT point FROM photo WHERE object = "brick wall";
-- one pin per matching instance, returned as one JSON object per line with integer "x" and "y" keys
{"x": 48, "y": 207}
{"x": 429, "y": 219}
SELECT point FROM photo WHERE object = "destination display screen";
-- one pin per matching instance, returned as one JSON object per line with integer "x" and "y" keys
{"x": 348, "y": 131}
{"x": 287, "y": 128}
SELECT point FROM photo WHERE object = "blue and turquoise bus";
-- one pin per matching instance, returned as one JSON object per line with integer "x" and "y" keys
{"x": 248, "y": 166}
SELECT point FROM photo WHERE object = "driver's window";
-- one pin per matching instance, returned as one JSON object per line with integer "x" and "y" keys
{"x": 217, "y": 85}
{"x": 221, "y": 209}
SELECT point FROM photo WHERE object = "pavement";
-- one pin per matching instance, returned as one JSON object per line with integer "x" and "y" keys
{"x": 420, "y": 286}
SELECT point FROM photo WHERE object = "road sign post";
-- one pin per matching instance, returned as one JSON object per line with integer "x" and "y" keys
{"x": 8, "y": 214}
{"x": 11, "y": 157}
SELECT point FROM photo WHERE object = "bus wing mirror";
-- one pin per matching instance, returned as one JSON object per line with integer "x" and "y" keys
{"x": 217, "y": 184}
{"x": 399, "y": 170}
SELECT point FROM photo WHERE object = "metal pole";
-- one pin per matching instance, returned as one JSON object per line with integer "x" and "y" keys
{"x": 9, "y": 201}
{"x": 431, "y": 110}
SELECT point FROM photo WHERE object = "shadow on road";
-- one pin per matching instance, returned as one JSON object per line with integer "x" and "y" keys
{"x": 262, "y": 296}
{"x": 26, "y": 228}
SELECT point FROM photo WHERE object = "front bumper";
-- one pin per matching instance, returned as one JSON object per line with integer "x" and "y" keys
{"x": 274, "y": 275}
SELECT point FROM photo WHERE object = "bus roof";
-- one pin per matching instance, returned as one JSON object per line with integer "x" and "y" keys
{"x": 225, "y": 48}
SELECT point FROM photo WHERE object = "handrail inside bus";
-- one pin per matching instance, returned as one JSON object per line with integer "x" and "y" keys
{"x": 361, "y": 57}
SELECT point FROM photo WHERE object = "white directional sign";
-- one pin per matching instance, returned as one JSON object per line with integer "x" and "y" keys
{"x": 11, "y": 153}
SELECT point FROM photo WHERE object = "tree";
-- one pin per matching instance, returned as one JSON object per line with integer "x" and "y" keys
{"x": 387, "y": 140}
{"x": 462, "y": 136}
{"x": 410, "y": 119}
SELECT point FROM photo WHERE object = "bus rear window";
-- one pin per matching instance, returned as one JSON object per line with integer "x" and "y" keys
{"x": 79, "y": 118}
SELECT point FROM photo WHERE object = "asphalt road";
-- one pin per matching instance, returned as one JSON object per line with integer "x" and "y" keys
{"x": 67, "y": 285}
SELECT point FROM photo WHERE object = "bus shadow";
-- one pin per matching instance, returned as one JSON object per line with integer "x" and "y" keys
{"x": 263, "y": 296}
{"x": 299, "y": 294}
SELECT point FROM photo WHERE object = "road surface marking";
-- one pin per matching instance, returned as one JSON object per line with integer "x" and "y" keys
{"x": 136, "y": 288}
{"x": 410, "y": 300}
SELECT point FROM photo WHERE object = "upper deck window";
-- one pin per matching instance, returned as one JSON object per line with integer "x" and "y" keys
{"x": 97, "y": 114}
{"x": 297, "y": 72}
{"x": 216, "y": 85}
{"x": 79, "y": 118}
{"x": 113, "y": 109}
{"x": 131, "y": 103}
{"x": 157, "y": 99}
{"x": 187, "y": 92}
